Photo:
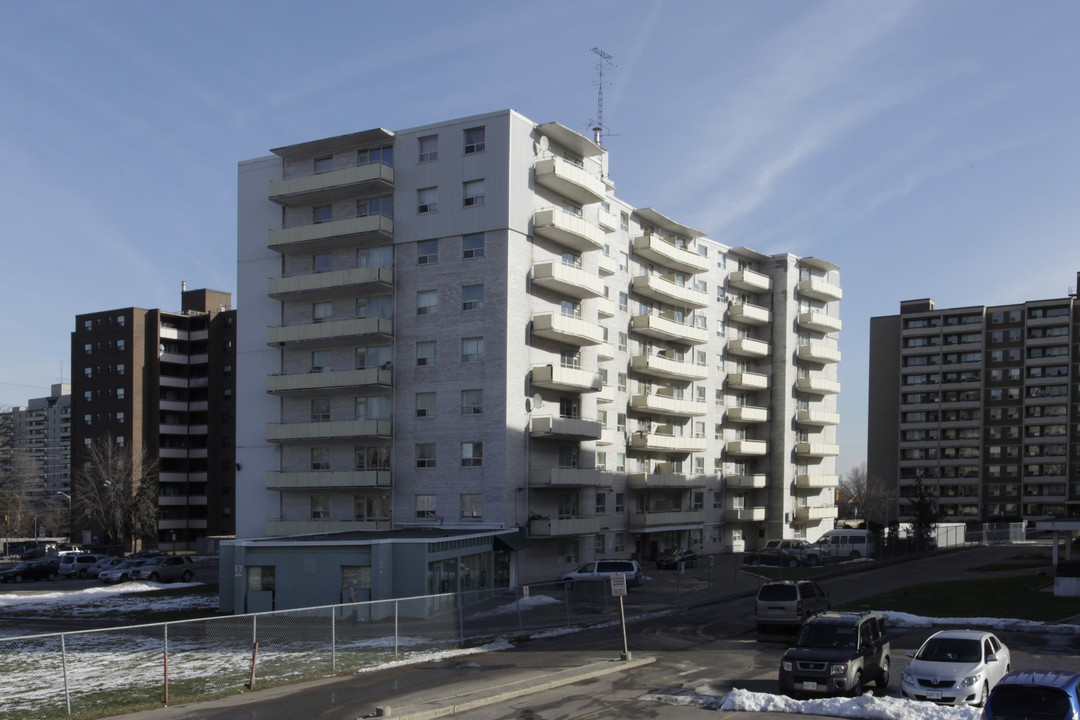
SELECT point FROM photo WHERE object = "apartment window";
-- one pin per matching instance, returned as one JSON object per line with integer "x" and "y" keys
{"x": 624, "y": 221}
{"x": 320, "y": 507}
{"x": 88, "y": 325}
{"x": 427, "y": 200}
{"x": 475, "y": 140}
{"x": 425, "y": 353}
{"x": 599, "y": 545}
{"x": 88, "y": 395}
{"x": 320, "y": 409}
{"x": 427, "y": 252}
{"x": 321, "y": 311}
{"x": 320, "y": 458}
{"x": 620, "y": 422}
{"x": 622, "y": 342}
{"x": 472, "y": 297}
{"x": 429, "y": 148}
{"x": 372, "y": 156}
{"x": 324, "y": 164}
{"x": 88, "y": 419}
{"x": 719, "y": 401}
{"x": 376, "y": 206}
{"x": 427, "y": 302}
{"x": 371, "y": 507}
{"x": 88, "y": 348}
{"x": 472, "y": 246}
{"x": 472, "y": 402}
{"x": 322, "y": 213}
{"x": 425, "y": 404}
{"x": 88, "y": 371}
{"x": 473, "y": 193}
{"x": 621, "y": 382}
{"x": 371, "y": 457}
{"x": 120, "y": 345}
{"x": 472, "y": 454}
{"x": 472, "y": 506}
{"x": 120, "y": 369}
{"x": 322, "y": 262}
{"x": 472, "y": 350}
{"x": 320, "y": 360}
{"x": 425, "y": 455}
{"x": 624, "y": 302}
{"x": 620, "y": 466}
{"x": 119, "y": 393}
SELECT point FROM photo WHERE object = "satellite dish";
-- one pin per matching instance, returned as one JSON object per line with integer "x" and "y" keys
{"x": 537, "y": 401}
{"x": 543, "y": 143}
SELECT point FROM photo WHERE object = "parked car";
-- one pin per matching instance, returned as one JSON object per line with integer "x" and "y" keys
{"x": 103, "y": 564}
{"x": 165, "y": 568}
{"x": 603, "y": 570}
{"x": 75, "y": 564}
{"x": 672, "y": 556}
{"x": 783, "y": 553}
{"x": 788, "y": 603}
{"x": 847, "y": 544}
{"x": 837, "y": 654}
{"x": 1054, "y": 692}
{"x": 121, "y": 572}
{"x": 956, "y": 667}
{"x": 31, "y": 570}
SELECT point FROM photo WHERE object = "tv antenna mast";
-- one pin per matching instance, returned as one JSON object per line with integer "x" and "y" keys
{"x": 605, "y": 61}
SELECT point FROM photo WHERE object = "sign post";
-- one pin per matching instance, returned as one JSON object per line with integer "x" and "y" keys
{"x": 618, "y": 589}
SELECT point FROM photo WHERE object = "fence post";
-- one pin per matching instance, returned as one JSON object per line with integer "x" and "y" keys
{"x": 396, "y": 603}
{"x": 461, "y": 619}
{"x": 517, "y": 602}
{"x": 333, "y": 641}
{"x": 566, "y": 595}
{"x": 63, "y": 664}
{"x": 165, "y": 659}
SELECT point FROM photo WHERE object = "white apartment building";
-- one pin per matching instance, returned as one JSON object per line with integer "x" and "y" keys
{"x": 41, "y": 443}
{"x": 461, "y": 328}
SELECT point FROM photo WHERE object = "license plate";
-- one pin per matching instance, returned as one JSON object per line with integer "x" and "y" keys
{"x": 775, "y": 611}
{"x": 933, "y": 694}
{"x": 811, "y": 685}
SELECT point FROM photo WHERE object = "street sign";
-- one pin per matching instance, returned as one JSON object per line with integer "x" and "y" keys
{"x": 618, "y": 585}
{"x": 525, "y": 592}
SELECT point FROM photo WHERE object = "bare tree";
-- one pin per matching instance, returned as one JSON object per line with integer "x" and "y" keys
{"x": 117, "y": 492}
{"x": 863, "y": 497}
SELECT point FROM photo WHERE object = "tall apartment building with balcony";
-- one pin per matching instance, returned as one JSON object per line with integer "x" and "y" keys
{"x": 459, "y": 326}
{"x": 978, "y": 405}
{"x": 163, "y": 383}
{"x": 40, "y": 443}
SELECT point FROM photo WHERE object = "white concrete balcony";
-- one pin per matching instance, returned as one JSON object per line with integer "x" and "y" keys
{"x": 329, "y": 284}
{"x": 168, "y": 333}
{"x": 567, "y": 230}
{"x": 357, "y": 181}
{"x": 748, "y": 414}
{"x": 817, "y": 449}
{"x": 819, "y": 353}
{"x": 607, "y": 220}
{"x": 819, "y": 322}
{"x": 821, "y": 481}
{"x": 606, "y": 265}
{"x": 332, "y": 430}
{"x": 665, "y": 405}
{"x": 566, "y": 329}
{"x": 559, "y": 477}
{"x": 664, "y": 251}
{"x": 748, "y": 381}
{"x": 817, "y": 385}
{"x": 564, "y": 428}
{"x": 820, "y": 289}
{"x": 329, "y": 235}
{"x": 608, "y": 436}
{"x": 566, "y": 379}
{"x": 313, "y": 382}
{"x": 646, "y": 520}
{"x": 606, "y": 394}
{"x": 747, "y": 448}
{"x": 275, "y": 528}
{"x": 663, "y": 442}
{"x": 817, "y": 417}
{"x": 663, "y": 288}
{"x": 664, "y": 326}
{"x": 744, "y": 514}
{"x": 747, "y": 482}
{"x": 569, "y": 180}
{"x": 667, "y": 368}
{"x": 664, "y": 481}
{"x": 749, "y": 281}
{"x": 565, "y": 279}
{"x": 816, "y": 513}
{"x": 331, "y": 331}
{"x": 605, "y": 308}
{"x": 605, "y": 351}
{"x": 748, "y": 314}
{"x": 561, "y": 527}
{"x": 328, "y": 480}
{"x": 749, "y": 347}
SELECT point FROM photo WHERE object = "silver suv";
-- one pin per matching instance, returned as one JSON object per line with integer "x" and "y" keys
{"x": 788, "y": 603}
{"x": 165, "y": 568}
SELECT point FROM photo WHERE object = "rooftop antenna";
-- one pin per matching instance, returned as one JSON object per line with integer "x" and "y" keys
{"x": 603, "y": 62}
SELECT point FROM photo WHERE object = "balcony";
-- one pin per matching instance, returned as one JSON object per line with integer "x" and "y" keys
{"x": 605, "y": 308}
{"x": 559, "y": 477}
{"x": 566, "y": 379}
{"x": 748, "y": 414}
{"x": 663, "y": 288}
{"x": 664, "y": 251}
{"x": 607, "y": 220}
{"x": 749, "y": 281}
{"x": 327, "y": 284}
{"x": 748, "y": 381}
{"x": 319, "y": 381}
{"x": 819, "y": 322}
{"x": 748, "y": 347}
{"x": 817, "y": 417}
{"x": 182, "y": 524}
{"x": 327, "y": 480}
{"x": 358, "y": 181}
{"x": 558, "y": 527}
{"x": 565, "y": 279}
{"x": 647, "y": 520}
{"x": 567, "y": 230}
{"x": 817, "y": 386}
{"x": 817, "y": 449}
{"x": 666, "y": 405}
{"x": 565, "y": 428}
{"x": 820, "y": 289}
{"x": 666, "y": 442}
{"x": 330, "y": 332}
{"x": 745, "y": 514}
{"x": 607, "y": 436}
{"x": 566, "y": 329}
{"x": 819, "y": 353}
{"x": 330, "y": 235}
{"x": 667, "y": 368}
{"x": 569, "y": 180}
{"x": 816, "y": 513}
{"x": 747, "y": 482}
{"x": 333, "y": 430}
{"x": 750, "y": 448}
{"x": 605, "y": 351}
{"x": 606, "y": 265}
{"x": 748, "y": 314}
{"x": 606, "y": 394}
{"x": 816, "y": 482}
{"x": 664, "y": 326}
{"x": 275, "y": 528}
{"x": 665, "y": 480}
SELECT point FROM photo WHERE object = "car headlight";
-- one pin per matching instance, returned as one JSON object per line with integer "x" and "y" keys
{"x": 838, "y": 669}
{"x": 787, "y": 665}
{"x": 906, "y": 677}
{"x": 969, "y": 681}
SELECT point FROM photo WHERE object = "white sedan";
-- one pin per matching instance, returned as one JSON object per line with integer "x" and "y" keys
{"x": 955, "y": 667}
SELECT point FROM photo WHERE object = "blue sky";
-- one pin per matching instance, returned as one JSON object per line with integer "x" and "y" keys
{"x": 928, "y": 148}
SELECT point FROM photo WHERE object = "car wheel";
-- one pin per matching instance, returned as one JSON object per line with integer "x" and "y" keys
{"x": 186, "y": 577}
{"x": 982, "y": 696}
{"x": 855, "y": 555}
{"x": 856, "y": 684}
{"x": 883, "y": 675}
{"x": 154, "y": 577}
{"x": 82, "y": 574}
{"x": 18, "y": 578}
{"x": 52, "y": 576}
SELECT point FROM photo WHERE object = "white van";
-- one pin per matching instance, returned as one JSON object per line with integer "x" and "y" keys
{"x": 847, "y": 544}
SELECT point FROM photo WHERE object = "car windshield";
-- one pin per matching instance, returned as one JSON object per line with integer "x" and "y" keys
{"x": 959, "y": 650}
{"x": 1030, "y": 702}
{"x": 827, "y": 635}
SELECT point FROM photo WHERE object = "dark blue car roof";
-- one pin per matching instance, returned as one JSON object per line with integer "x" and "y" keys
{"x": 1061, "y": 679}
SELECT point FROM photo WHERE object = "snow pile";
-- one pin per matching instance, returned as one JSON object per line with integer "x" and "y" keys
{"x": 130, "y": 597}
{"x": 865, "y": 707}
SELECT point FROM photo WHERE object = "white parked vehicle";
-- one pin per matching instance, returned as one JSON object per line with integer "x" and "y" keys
{"x": 76, "y": 565}
{"x": 846, "y": 544}
{"x": 956, "y": 667}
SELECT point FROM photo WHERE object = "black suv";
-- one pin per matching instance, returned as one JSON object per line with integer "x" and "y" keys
{"x": 836, "y": 654}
